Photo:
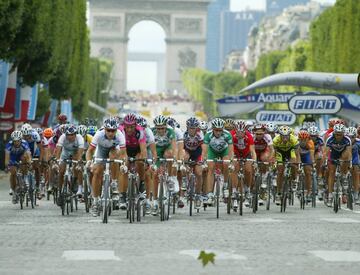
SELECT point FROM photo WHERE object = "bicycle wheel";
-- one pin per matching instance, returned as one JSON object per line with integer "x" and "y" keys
{"x": 255, "y": 193}
{"x": 161, "y": 198}
{"x": 191, "y": 192}
{"x": 284, "y": 196}
{"x": 32, "y": 193}
{"x": 349, "y": 193}
{"x": 302, "y": 191}
{"x": 86, "y": 193}
{"x": 105, "y": 200}
{"x": 217, "y": 197}
{"x": 229, "y": 201}
{"x": 241, "y": 197}
{"x": 313, "y": 190}
{"x": 268, "y": 191}
{"x": 336, "y": 202}
{"x": 131, "y": 194}
{"x": 138, "y": 210}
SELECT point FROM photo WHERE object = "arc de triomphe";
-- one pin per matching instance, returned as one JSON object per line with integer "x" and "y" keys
{"x": 184, "y": 22}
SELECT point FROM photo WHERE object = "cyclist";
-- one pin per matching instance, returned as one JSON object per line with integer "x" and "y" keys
{"x": 318, "y": 155}
{"x": 271, "y": 129}
{"x": 16, "y": 150}
{"x": 203, "y": 126}
{"x": 307, "y": 151}
{"x": 135, "y": 138}
{"x": 338, "y": 147}
{"x": 179, "y": 137}
{"x": 151, "y": 154}
{"x": 218, "y": 145}
{"x": 285, "y": 146}
{"x": 351, "y": 133}
{"x": 48, "y": 134}
{"x": 244, "y": 148}
{"x": 194, "y": 144}
{"x": 82, "y": 131}
{"x": 109, "y": 142}
{"x": 70, "y": 146}
{"x": 165, "y": 148}
{"x": 58, "y": 130}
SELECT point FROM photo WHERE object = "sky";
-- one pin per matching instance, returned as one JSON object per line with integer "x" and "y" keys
{"x": 148, "y": 36}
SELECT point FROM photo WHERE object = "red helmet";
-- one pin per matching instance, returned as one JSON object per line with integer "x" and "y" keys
{"x": 303, "y": 134}
{"x": 62, "y": 117}
{"x": 130, "y": 119}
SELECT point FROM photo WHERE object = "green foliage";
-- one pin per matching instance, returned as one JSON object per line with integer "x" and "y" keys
{"x": 48, "y": 42}
{"x": 43, "y": 102}
{"x": 205, "y": 258}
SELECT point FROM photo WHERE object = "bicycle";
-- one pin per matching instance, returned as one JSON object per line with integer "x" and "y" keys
{"x": 86, "y": 189}
{"x": 53, "y": 181}
{"x": 164, "y": 189}
{"x": 67, "y": 197}
{"x": 257, "y": 184}
{"x": 286, "y": 195}
{"x": 106, "y": 190}
{"x": 191, "y": 181}
{"x": 25, "y": 187}
{"x": 339, "y": 187}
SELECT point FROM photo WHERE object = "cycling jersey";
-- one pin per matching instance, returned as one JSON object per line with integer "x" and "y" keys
{"x": 103, "y": 145}
{"x": 16, "y": 153}
{"x": 262, "y": 144}
{"x": 133, "y": 141}
{"x": 192, "y": 145}
{"x": 337, "y": 147}
{"x": 285, "y": 150}
{"x": 218, "y": 147}
{"x": 34, "y": 138}
{"x": 70, "y": 148}
{"x": 356, "y": 152}
{"x": 149, "y": 140}
{"x": 242, "y": 145}
{"x": 318, "y": 142}
{"x": 179, "y": 135}
{"x": 305, "y": 151}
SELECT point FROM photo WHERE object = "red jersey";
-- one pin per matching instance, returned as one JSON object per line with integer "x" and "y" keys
{"x": 242, "y": 146}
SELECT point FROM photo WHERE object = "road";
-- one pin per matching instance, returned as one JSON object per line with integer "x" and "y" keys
{"x": 41, "y": 240}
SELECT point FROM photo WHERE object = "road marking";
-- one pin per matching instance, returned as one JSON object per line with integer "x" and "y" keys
{"x": 340, "y": 220}
{"x": 100, "y": 221}
{"x": 219, "y": 255}
{"x": 262, "y": 220}
{"x": 18, "y": 223}
{"x": 90, "y": 255}
{"x": 337, "y": 255}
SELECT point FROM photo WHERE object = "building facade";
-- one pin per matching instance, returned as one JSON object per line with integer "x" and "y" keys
{"x": 275, "y": 7}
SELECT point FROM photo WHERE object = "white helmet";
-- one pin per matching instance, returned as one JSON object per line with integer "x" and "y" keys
{"x": 314, "y": 131}
{"x": 271, "y": 127}
{"x": 82, "y": 130}
{"x": 16, "y": 135}
{"x": 339, "y": 128}
{"x": 351, "y": 132}
{"x": 217, "y": 123}
{"x": 203, "y": 125}
{"x": 26, "y": 129}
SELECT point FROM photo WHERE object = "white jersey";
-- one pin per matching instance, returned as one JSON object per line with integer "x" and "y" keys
{"x": 179, "y": 134}
{"x": 150, "y": 139}
{"x": 102, "y": 142}
{"x": 70, "y": 148}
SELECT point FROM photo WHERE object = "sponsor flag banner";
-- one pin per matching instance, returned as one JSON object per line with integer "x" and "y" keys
{"x": 22, "y": 102}
{"x": 10, "y": 95}
{"x": 4, "y": 78}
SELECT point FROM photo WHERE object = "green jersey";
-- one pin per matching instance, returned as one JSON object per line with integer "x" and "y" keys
{"x": 165, "y": 140}
{"x": 218, "y": 144}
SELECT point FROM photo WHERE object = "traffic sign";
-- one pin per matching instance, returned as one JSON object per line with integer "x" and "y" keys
{"x": 278, "y": 117}
{"x": 315, "y": 104}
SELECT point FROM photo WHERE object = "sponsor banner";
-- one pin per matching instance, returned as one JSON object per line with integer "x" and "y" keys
{"x": 9, "y": 100}
{"x": 4, "y": 78}
{"x": 278, "y": 117}
{"x": 258, "y": 98}
{"x": 315, "y": 104}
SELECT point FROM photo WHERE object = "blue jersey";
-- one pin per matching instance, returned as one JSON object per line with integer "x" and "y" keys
{"x": 34, "y": 138}
{"x": 337, "y": 147}
{"x": 356, "y": 152}
{"x": 16, "y": 152}
{"x": 318, "y": 142}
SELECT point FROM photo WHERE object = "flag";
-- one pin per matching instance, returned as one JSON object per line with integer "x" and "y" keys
{"x": 9, "y": 100}
{"x": 33, "y": 103}
{"x": 4, "y": 78}
{"x": 66, "y": 109}
{"x": 24, "y": 107}
{"x": 49, "y": 116}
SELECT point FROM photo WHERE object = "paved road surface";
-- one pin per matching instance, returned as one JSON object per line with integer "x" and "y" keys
{"x": 41, "y": 241}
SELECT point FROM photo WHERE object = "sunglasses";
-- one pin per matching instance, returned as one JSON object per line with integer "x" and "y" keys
{"x": 160, "y": 128}
{"x": 111, "y": 130}
{"x": 218, "y": 130}
{"x": 259, "y": 134}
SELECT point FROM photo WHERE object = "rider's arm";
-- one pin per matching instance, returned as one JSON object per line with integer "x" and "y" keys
{"x": 174, "y": 147}
{"x": 90, "y": 152}
{"x": 58, "y": 152}
{"x": 153, "y": 150}
{"x": 122, "y": 153}
{"x": 143, "y": 152}
{"x": 180, "y": 148}
{"x": 80, "y": 151}
{"x": 252, "y": 152}
{"x": 231, "y": 151}
{"x": 7, "y": 158}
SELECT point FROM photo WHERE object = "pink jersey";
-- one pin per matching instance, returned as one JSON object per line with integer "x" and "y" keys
{"x": 137, "y": 138}
{"x": 51, "y": 144}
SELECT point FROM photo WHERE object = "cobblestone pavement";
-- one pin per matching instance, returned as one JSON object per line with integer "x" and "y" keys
{"x": 310, "y": 241}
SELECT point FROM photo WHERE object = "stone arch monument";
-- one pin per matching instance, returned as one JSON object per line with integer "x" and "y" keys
{"x": 184, "y": 22}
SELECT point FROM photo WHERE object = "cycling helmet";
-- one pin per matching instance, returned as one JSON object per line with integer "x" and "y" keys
{"x": 192, "y": 122}
{"x": 271, "y": 127}
{"x": 303, "y": 134}
{"x": 314, "y": 131}
{"x": 351, "y": 131}
{"x": 111, "y": 123}
{"x": 16, "y": 135}
{"x": 331, "y": 122}
{"x": 141, "y": 121}
{"x": 160, "y": 120}
{"x": 130, "y": 119}
{"x": 172, "y": 122}
{"x": 26, "y": 129}
{"x": 284, "y": 130}
{"x": 249, "y": 124}
{"x": 203, "y": 125}
{"x": 240, "y": 126}
{"x": 63, "y": 128}
{"x": 339, "y": 128}
{"x": 229, "y": 123}
{"x": 70, "y": 130}
{"x": 217, "y": 123}
{"x": 48, "y": 133}
{"x": 259, "y": 126}
{"x": 62, "y": 117}
{"x": 39, "y": 131}
{"x": 82, "y": 130}
{"x": 92, "y": 130}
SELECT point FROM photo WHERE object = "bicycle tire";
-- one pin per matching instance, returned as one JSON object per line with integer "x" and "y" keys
{"x": 268, "y": 190}
{"x": 86, "y": 193}
{"x": 161, "y": 197}
{"x": 168, "y": 204}
{"x": 284, "y": 197}
{"x": 138, "y": 210}
{"x": 302, "y": 192}
{"x": 241, "y": 197}
{"x": 255, "y": 194}
{"x": 105, "y": 199}
{"x": 191, "y": 192}
{"x": 349, "y": 194}
{"x": 313, "y": 190}
{"x": 229, "y": 201}
{"x": 32, "y": 193}
{"x": 217, "y": 196}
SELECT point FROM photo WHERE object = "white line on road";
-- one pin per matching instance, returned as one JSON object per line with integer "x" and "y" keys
{"x": 262, "y": 220}
{"x": 90, "y": 255}
{"x": 19, "y": 223}
{"x": 100, "y": 221}
{"x": 219, "y": 255}
{"x": 337, "y": 255}
{"x": 340, "y": 220}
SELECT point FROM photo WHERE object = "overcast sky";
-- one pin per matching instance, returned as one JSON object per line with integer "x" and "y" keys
{"x": 148, "y": 36}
